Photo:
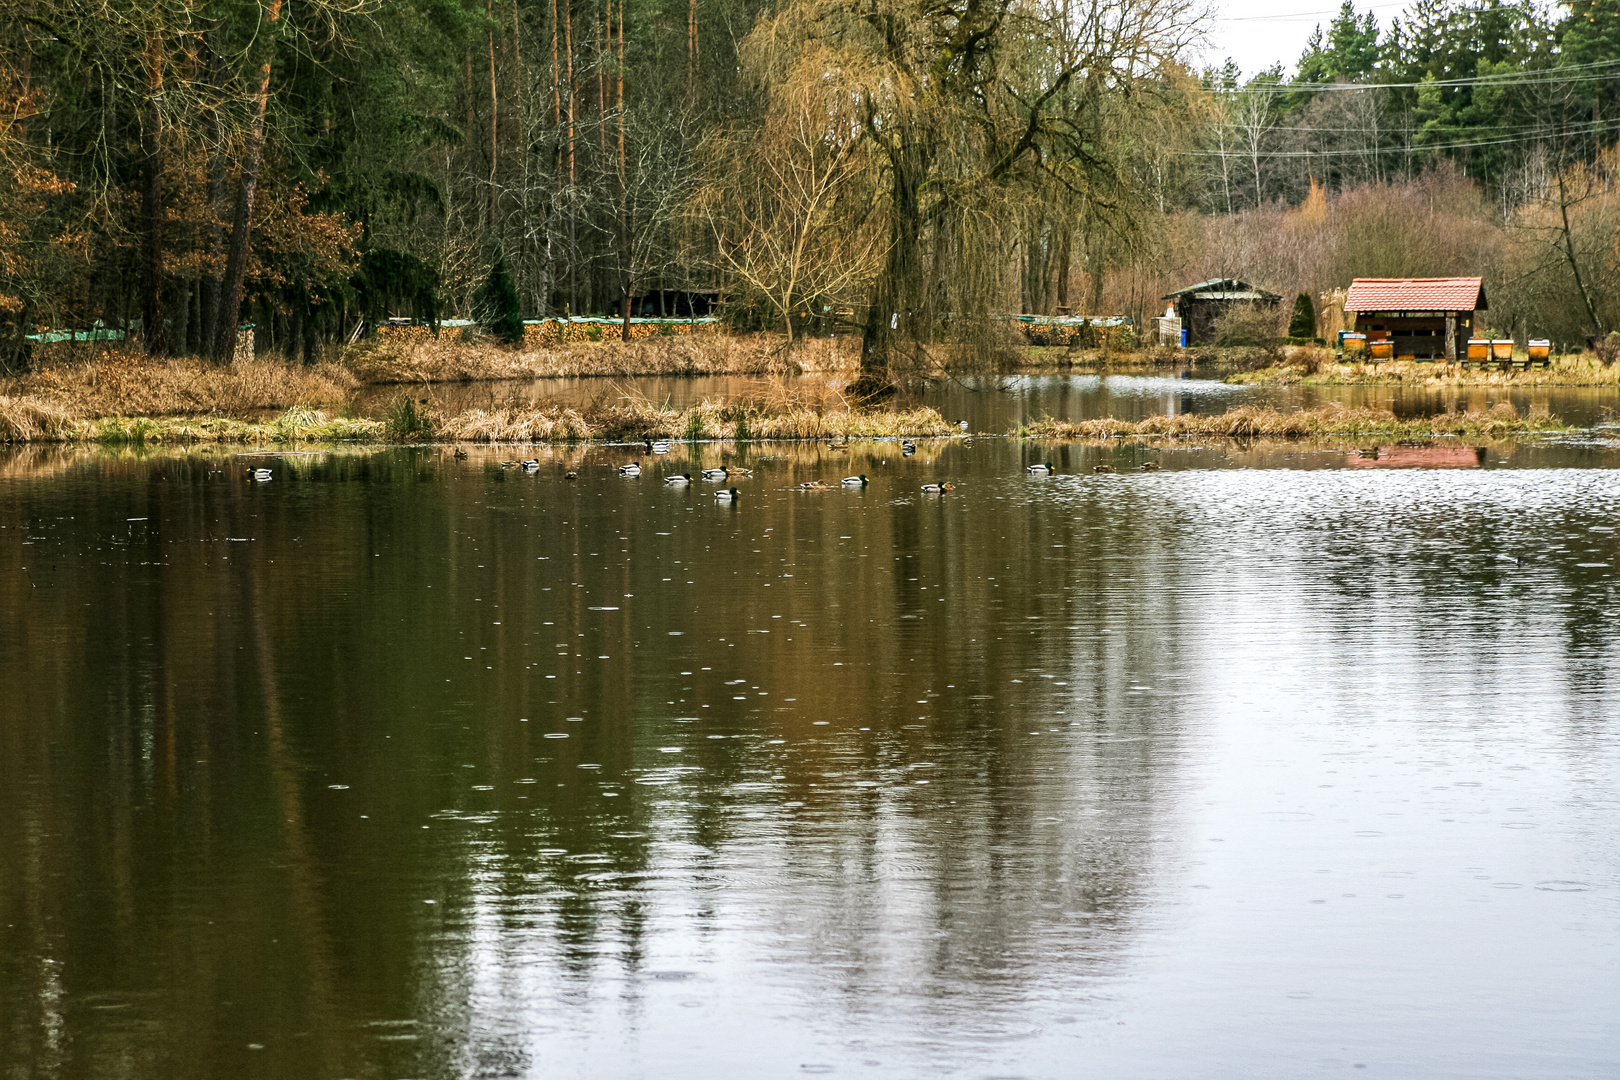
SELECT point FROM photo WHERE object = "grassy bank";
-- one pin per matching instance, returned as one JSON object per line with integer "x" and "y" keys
{"x": 1257, "y": 422}
{"x": 27, "y": 421}
{"x": 1564, "y": 371}
{"x": 24, "y": 421}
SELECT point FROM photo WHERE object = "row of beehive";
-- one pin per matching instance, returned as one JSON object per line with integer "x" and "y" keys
{"x": 1479, "y": 349}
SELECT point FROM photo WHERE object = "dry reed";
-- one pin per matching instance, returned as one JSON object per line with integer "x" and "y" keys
{"x": 636, "y": 419}
{"x": 448, "y": 359}
{"x": 1259, "y": 422}
{"x": 117, "y": 383}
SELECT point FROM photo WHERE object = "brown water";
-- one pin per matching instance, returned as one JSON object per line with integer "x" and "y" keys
{"x": 1262, "y": 765}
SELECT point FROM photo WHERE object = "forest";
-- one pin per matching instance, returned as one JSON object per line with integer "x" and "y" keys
{"x": 908, "y": 170}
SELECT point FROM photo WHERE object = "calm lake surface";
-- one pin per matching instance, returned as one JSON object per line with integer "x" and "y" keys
{"x": 1267, "y": 764}
{"x": 1000, "y": 404}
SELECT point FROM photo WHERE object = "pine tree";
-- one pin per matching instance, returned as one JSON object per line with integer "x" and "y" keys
{"x": 496, "y": 306}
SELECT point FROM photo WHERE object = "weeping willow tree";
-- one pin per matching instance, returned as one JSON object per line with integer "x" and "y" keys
{"x": 976, "y": 118}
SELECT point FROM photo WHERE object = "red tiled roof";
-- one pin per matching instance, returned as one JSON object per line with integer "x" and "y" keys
{"x": 1415, "y": 294}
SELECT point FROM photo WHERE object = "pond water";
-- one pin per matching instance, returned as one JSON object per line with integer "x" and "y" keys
{"x": 397, "y": 765}
{"x": 1000, "y": 405}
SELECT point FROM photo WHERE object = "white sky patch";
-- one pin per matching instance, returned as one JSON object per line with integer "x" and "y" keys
{"x": 1259, "y": 35}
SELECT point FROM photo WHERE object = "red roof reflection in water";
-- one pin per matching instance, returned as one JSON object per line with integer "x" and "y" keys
{"x": 1417, "y": 457}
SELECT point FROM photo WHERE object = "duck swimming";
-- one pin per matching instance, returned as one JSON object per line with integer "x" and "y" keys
{"x": 856, "y": 481}
{"x": 1150, "y": 466}
{"x": 259, "y": 475}
{"x": 939, "y": 488}
{"x": 1102, "y": 468}
{"x": 657, "y": 446}
{"x": 716, "y": 474}
{"x": 907, "y": 448}
{"x": 632, "y": 469}
{"x": 1046, "y": 468}
{"x": 727, "y": 495}
{"x": 678, "y": 478}
{"x": 812, "y": 485}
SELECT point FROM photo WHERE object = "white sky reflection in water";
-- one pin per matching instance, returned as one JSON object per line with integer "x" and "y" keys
{"x": 1230, "y": 772}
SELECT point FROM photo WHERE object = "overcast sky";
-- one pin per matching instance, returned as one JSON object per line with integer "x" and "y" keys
{"x": 1257, "y": 35}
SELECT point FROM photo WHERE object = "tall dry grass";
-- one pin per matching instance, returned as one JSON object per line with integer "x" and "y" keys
{"x": 128, "y": 384}
{"x": 392, "y": 359}
{"x": 633, "y": 419}
{"x": 1260, "y": 422}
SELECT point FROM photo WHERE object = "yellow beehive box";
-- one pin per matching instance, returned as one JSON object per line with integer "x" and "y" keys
{"x": 1501, "y": 348}
{"x": 1539, "y": 348}
{"x": 1479, "y": 349}
{"x": 1381, "y": 350}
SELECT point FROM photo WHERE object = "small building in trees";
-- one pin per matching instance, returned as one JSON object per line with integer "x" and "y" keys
{"x": 1198, "y": 306}
{"x": 1423, "y": 318}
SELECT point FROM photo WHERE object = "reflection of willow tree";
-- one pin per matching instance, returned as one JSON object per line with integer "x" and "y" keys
{"x": 970, "y": 111}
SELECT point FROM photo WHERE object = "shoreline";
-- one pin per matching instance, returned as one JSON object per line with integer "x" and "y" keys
{"x": 710, "y": 421}
{"x": 126, "y": 398}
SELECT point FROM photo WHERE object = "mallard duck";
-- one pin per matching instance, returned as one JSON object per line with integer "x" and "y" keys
{"x": 907, "y": 448}
{"x": 1102, "y": 468}
{"x": 716, "y": 474}
{"x": 812, "y": 485}
{"x": 963, "y": 425}
{"x": 939, "y": 488}
{"x": 678, "y": 478}
{"x": 657, "y": 446}
{"x": 1045, "y": 468}
{"x": 1150, "y": 466}
{"x": 727, "y": 495}
{"x": 737, "y": 470}
{"x": 570, "y": 475}
{"x": 259, "y": 475}
{"x": 460, "y": 455}
{"x": 532, "y": 465}
{"x": 632, "y": 469}
{"x": 856, "y": 481}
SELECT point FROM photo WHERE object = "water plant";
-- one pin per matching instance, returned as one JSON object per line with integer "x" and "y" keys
{"x": 405, "y": 422}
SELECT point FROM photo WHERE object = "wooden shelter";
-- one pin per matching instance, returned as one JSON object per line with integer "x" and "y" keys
{"x": 1198, "y": 306}
{"x": 1422, "y": 318}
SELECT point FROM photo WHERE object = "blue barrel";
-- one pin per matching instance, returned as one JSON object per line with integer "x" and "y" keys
{"x": 1183, "y": 337}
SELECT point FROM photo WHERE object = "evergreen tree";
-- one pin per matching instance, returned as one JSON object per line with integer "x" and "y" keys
{"x": 496, "y": 306}
{"x": 1303, "y": 322}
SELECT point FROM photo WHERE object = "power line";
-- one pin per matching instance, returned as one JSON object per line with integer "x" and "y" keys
{"x": 1591, "y": 128}
{"x": 1570, "y": 73}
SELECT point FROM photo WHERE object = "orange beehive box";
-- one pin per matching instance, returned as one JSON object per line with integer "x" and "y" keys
{"x": 1479, "y": 348}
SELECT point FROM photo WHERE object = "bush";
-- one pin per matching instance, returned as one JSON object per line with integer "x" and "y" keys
{"x": 1303, "y": 322}
{"x": 1247, "y": 324}
{"x": 1607, "y": 349}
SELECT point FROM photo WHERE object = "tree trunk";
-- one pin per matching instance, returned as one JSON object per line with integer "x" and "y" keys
{"x": 209, "y": 289}
{"x": 624, "y": 185}
{"x": 893, "y": 302}
{"x": 152, "y": 313}
{"x": 236, "y": 261}
{"x": 1574, "y": 266}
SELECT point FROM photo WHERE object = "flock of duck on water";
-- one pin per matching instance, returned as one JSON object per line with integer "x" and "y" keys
{"x": 730, "y": 494}
{"x": 724, "y": 473}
